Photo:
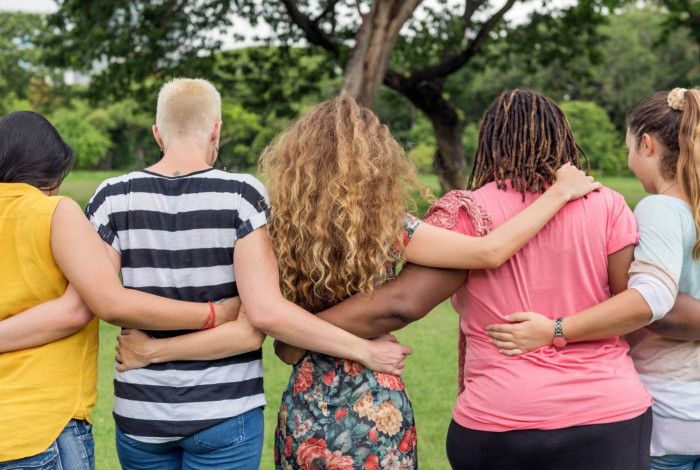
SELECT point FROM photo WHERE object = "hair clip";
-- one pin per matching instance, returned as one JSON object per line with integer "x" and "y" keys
{"x": 676, "y": 99}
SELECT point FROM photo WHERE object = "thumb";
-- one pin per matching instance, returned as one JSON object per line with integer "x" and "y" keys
{"x": 519, "y": 317}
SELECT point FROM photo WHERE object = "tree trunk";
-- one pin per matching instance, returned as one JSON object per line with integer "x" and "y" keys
{"x": 374, "y": 43}
{"x": 449, "y": 162}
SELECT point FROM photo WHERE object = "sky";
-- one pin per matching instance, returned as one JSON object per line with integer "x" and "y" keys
{"x": 517, "y": 14}
{"x": 34, "y": 6}
{"x": 519, "y": 11}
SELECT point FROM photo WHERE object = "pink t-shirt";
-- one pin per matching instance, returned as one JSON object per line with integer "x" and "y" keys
{"x": 563, "y": 270}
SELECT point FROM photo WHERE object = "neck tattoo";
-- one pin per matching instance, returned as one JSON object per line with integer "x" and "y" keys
{"x": 176, "y": 173}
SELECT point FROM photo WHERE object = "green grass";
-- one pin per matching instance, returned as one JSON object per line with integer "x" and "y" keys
{"x": 431, "y": 373}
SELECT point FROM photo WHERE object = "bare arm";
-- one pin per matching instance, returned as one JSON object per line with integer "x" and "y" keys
{"x": 81, "y": 255}
{"x": 491, "y": 251}
{"x": 45, "y": 323}
{"x": 267, "y": 310}
{"x": 619, "y": 315}
{"x": 682, "y": 322}
{"x": 136, "y": 349}
{"x": 408, "y": 298}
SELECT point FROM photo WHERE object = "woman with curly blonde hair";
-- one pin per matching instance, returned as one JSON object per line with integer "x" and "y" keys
{"x": 339, "y": 187}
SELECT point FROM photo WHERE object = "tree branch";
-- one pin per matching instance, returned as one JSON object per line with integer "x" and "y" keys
{"x": 453, "y": 63}
{"x": 313, "y": 33}
{"x": 470, "y": 8}
{"x": 330, "y": 7}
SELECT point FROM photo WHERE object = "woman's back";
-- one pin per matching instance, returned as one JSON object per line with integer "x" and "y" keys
{"x": 670, "y": 368}
{"x": 564, "y": 269}
{"x": 42, "y": 388}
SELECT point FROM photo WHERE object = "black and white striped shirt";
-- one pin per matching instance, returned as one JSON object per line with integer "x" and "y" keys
{"x": 176, "y": 238}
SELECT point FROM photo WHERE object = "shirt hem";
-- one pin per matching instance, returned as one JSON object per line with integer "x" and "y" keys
{"x": 570, "y": 421}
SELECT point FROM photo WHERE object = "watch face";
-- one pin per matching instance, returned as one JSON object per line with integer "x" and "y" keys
{"x": 559, "y": 342}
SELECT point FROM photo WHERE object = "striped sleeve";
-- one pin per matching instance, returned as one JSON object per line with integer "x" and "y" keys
{"x": 99, "y": 213}
{"x": 254, "y": 208}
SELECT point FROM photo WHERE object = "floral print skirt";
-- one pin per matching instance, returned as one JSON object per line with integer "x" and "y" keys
{"x": 338, "y": 415}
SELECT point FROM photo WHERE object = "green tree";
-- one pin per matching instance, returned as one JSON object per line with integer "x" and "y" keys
{"x": 141, "y": 43}
{"x": 597, "y": 136}
{"x": 88, "y": 142}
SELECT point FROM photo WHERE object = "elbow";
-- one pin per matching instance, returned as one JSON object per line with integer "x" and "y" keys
{"x": 107, "y": 309}
{"x": 257, "y": 338}
{"x": 492, "y": 257}
{"x": 404, "y": 310}
{"x": 81, "y": 316}
{"x": 260, "y": 317}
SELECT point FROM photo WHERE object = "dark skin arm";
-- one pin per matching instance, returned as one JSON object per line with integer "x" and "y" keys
{"x": 682, "y": 322}
{"x": 392, "y": 306}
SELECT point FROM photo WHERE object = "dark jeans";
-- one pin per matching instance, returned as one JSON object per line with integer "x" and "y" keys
{"x": 623, "y": 445}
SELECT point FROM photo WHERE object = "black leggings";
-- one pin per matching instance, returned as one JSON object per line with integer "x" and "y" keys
{"x": 615, "y": 446}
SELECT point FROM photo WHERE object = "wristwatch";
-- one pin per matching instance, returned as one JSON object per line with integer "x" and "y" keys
{"x": 559, "y": 340}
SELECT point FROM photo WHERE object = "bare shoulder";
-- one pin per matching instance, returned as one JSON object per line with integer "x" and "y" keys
{"x": 67, "y": 210}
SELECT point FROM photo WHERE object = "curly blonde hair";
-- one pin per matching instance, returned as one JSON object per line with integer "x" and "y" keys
{"x": 339, "y": 187}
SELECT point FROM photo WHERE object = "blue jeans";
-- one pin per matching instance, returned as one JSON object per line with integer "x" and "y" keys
{"x": 676, "y": 462}
{"x": 234, "y": 444}
{"x": 73, "y": 450}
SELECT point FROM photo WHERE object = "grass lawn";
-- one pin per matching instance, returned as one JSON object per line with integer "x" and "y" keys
{"x": 430, "y": 374}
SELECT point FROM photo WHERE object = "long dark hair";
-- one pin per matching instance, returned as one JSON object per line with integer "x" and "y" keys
{"x": 32, "y": 151}
{"x": 678, "y": 130}
{"x": 525, "y": 138}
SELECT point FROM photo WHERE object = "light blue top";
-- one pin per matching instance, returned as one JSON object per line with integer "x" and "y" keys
{"x": 669, "y": 368}
{"x": 666, "y": 236}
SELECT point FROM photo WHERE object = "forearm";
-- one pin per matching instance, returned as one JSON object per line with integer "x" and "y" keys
{"x": 230, "y": 339}
{"x": 622, "y": 314}
{"x": 130, "y": 308}
{"x": 45, "y": 323}
{"x": 408, "y": 298}
{"x": 93, "y": 271}
{"x": 682, "y": 322}
{"x": 293, "y": 325}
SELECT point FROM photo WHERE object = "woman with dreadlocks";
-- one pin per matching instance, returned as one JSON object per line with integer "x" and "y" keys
{"x": 580, "y": 407}
{"x": 663, "y": 139}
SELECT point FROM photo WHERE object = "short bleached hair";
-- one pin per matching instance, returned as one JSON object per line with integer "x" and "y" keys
{"x": 187, "y": 107}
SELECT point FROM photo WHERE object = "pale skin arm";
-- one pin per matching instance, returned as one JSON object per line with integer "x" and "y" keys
{"x": 81, "y": 256}
{"x": 136, "y": 349}
{"x": 45, "y": 323}
{"x": 408, "y": 298}
{"x": 627, "y": 311}
{"x": 269, "y": 312}
{"x": 682, "y": 322}
{"x": 460, "y": 251}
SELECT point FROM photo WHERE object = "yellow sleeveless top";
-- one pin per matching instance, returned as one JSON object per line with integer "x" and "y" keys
{"x": 41, "y": 388}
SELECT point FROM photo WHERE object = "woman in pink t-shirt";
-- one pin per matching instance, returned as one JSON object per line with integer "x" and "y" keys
{"x": 582, "y": 407}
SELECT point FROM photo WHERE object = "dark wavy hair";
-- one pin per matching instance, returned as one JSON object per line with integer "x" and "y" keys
{"x": 32, "y": 151}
